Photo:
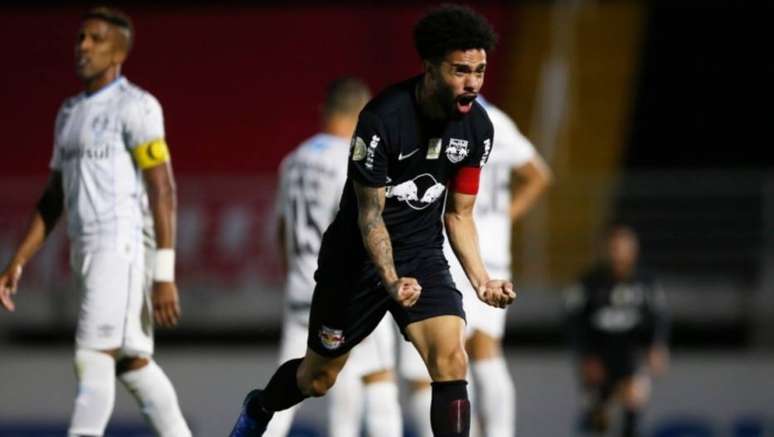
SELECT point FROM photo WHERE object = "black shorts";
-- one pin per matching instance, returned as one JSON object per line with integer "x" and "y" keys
{"x": 619, "y": 364}
{"x": 345, "y": 310}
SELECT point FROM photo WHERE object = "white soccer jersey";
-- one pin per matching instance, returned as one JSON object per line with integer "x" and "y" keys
{"x": 511, "y": 150}
{"x": 311, "y": 180}
{"x": 93, "y": 142}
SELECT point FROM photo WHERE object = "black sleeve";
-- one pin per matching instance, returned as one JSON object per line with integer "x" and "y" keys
{"x": 657, "y": 315}
{"x": 51, "y": 203}
{"x": 368, "y": 152}
{"x": 484, "y": 139}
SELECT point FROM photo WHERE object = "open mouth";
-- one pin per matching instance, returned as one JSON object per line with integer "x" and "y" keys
{"x": 465, "y": 103}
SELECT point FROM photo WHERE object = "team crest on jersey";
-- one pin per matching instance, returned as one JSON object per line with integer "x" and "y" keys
{"x": 433, "y": 148}
{"x": 487, "y": 150}
{"x": 331, "y": 338}
{"x": 100, "y": 123}
{"x": 358, "y": 149}
{"x": 457, "y": 150}
{"x": 409, "y": 191}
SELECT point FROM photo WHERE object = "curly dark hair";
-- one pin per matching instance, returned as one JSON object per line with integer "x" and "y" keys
{"x": 449, "y": 28}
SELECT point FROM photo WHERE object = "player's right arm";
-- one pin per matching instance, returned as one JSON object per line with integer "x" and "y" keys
{"x": 376, "y": 240}
{"x": 45, "y": 217}
{"x": 368, "y": 171}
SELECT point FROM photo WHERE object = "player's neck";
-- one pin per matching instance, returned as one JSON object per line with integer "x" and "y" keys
{"x": 340, "y": 126}
{"x": 100, "y": 81}
{"x": 622, "y": 272}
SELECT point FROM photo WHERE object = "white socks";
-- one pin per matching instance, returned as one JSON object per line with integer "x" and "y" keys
{"x": 383, "y": 415}
{"x": 345, "y": 405}
{"x": 157, "y": 399}
{"x": 419, "y": 402}
{"x": 95, "y": 372}
{"x": 495, "y": 397}
{"x": 350, "y": 400}
{"x": 280, "y": 423}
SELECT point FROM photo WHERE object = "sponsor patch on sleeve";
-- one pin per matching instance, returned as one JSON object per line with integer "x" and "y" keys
{"x": 358, "y": 149}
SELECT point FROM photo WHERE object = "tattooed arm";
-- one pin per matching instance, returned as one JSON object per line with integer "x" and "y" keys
{"x": 376, "y": 240}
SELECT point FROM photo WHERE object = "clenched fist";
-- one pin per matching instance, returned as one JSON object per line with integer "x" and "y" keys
{"x": 497, "y": 293}
{"x": 405, "y": 291}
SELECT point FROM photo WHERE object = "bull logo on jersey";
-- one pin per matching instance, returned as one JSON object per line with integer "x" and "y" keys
{"x": 457, "y": 150}
{"x": 409, "y": 191}
{"x": 331, "y": 338}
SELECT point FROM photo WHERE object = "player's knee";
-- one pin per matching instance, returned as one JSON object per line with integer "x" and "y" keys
{"x": 319, "y": 383}
{"x": 635, "y": 392}
{"x": 95, "y": 369}
{"x": 450, "y": 365}
{"x": 95, "y": 372}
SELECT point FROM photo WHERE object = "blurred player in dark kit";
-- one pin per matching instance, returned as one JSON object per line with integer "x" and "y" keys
{"x": 383, "y": 251}
{"x": 617, "y": 321}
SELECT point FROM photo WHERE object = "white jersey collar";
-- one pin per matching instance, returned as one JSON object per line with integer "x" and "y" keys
{"x": 105, "y": 90}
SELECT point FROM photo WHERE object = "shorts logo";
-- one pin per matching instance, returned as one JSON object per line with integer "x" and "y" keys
{"x": 457, "y": 150}
{"x": 331, "y": 338}
{"x": 408, "y": 191}
{"x": 433, "y": 148}
{"x": 372, "y": 151}
{"x": 358, "y": 149}
{"x": 105, "y": 331}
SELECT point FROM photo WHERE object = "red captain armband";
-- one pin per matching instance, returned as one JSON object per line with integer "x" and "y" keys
{"x": 466, "y": 180}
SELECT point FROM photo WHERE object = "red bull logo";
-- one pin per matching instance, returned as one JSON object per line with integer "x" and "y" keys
{"x": 331, "y": 338}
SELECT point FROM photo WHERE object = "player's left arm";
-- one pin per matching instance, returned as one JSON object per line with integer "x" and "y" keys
{"x": 533, "y": 178}
{"x": 463, "y": 238}
{"x": 162, "y": 198}
{"x": 144, "y": 134}
{"x": 658, "y": 349}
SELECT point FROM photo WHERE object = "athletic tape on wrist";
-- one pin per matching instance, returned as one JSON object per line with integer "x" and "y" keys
{"x": 164, "y": 268}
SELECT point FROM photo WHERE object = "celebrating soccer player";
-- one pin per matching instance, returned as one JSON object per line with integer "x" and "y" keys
{"x": 384, "y": 250}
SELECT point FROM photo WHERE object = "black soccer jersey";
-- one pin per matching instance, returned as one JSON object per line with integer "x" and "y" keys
{"x": 611, "y": 318}
{"x": 395, "y": 146}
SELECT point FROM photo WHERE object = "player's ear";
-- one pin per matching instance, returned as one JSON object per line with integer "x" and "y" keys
{"x": 119, "y": 56}
{"x": 120, "y": 46}
{"x": 428, "y": 66}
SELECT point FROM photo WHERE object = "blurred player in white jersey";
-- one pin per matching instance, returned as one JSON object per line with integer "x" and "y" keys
{"x": 109, "y": 151}
{"x": 311, "y": 179}
{"x": 497, "y": 207}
